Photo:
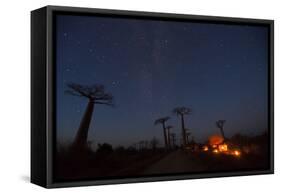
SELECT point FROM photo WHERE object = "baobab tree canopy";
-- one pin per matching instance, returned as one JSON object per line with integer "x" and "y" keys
{"x": 220, "y": 123}
{"x": 94, "y": 93}
{"x": 161, "y": 120}
{"x": 182, "y": 111}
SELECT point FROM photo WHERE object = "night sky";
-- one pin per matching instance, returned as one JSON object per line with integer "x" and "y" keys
{"x": 150, "y": 67}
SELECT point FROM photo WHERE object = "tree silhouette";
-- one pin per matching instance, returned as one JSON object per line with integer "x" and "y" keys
{"x": 104, "y": 148}
{"x": 187, "y": 136}
{"x": 95, "y": 94}
{"x": 220, "y": 125}
{"x": 169, "y": 135}
{"x": 162, "y": 121}
{"x": 154, "y": 143}
{"x": 173, "y": 139}
{"x": 181, "y": 111}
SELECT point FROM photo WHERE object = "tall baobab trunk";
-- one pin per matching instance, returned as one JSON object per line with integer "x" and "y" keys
{"x": 222, "y": 133}
{"x": 82, "y": 133}
{"x": 187, "y": 138}
{"x": 173, "y": 140}
{"x": 169, "y": 138}
{"x": 183, "y": 131}
{"x": 162, "y": 121}
{"x": 181, "y": 111}
{"x": 220, "y": 125}
{"x": 165, "y": 135}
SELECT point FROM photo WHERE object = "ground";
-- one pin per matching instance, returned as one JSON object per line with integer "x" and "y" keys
{"x": 175, "y": 162}
{"x": 147, "y": 163}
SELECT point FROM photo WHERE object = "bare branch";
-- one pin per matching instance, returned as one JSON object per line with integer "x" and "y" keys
{"x": 182, "y": 111}
{"x": 105, "y": 103}
{"x": 220, "y": 123}
{"x": 161, "y": 120}
{"x": 95, "y": 93}
{"x": 70, "y": 92}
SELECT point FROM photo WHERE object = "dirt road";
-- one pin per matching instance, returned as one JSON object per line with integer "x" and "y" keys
{"x": 176, "y": 162}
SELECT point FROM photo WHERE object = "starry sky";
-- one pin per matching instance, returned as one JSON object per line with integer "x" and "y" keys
{"x": 152, "y": 66}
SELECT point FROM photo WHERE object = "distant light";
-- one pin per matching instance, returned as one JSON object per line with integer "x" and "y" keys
{"x": 205, "y": 148}
{"x": 236, "y": 153}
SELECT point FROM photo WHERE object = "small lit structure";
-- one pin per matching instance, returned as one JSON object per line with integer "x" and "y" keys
{"x": 217, "y": 145}
{"x": 223, "y": 147}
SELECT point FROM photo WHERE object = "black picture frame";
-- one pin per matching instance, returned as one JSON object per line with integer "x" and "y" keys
{"x": 43, "y": 92}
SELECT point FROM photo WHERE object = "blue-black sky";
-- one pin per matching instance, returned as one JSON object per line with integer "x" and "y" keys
{"x": 150, "y": 67}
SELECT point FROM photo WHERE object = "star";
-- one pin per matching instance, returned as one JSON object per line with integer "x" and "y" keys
{"x": 115, "y": 83}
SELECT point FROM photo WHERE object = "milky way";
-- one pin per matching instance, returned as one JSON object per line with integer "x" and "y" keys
{"x": 151, "y": 67}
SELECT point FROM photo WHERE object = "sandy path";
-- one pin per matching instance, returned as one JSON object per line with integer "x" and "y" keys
{"x": 175, "y": 162}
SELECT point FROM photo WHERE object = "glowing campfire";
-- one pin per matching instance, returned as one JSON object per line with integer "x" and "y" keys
{"x": 217, "y": 145}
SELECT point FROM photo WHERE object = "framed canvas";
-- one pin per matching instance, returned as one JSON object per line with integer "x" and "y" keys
{"x": 125, "y": 96}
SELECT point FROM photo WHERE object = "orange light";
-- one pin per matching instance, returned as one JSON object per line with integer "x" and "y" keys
{"x": 236, "y": 153}
{"x": 205, "y": 148}
{"x": 216, "y": 151}
{"x": 214, "y": 146}
{"x": 215, "y": 140}
{"x": 223, "y": 148}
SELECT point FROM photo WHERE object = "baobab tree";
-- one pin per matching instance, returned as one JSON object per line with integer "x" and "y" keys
{"x": 173, "y": 139}
{"x": 181, "y": 111}
{"x": 154, "y": 143}
{"x": 95, "y": 94}
{"x": 169, "y": 135}
{"x": 162, "y": 121}
{"x": 220, "y": 125}
{"x": 187, "y": 135}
